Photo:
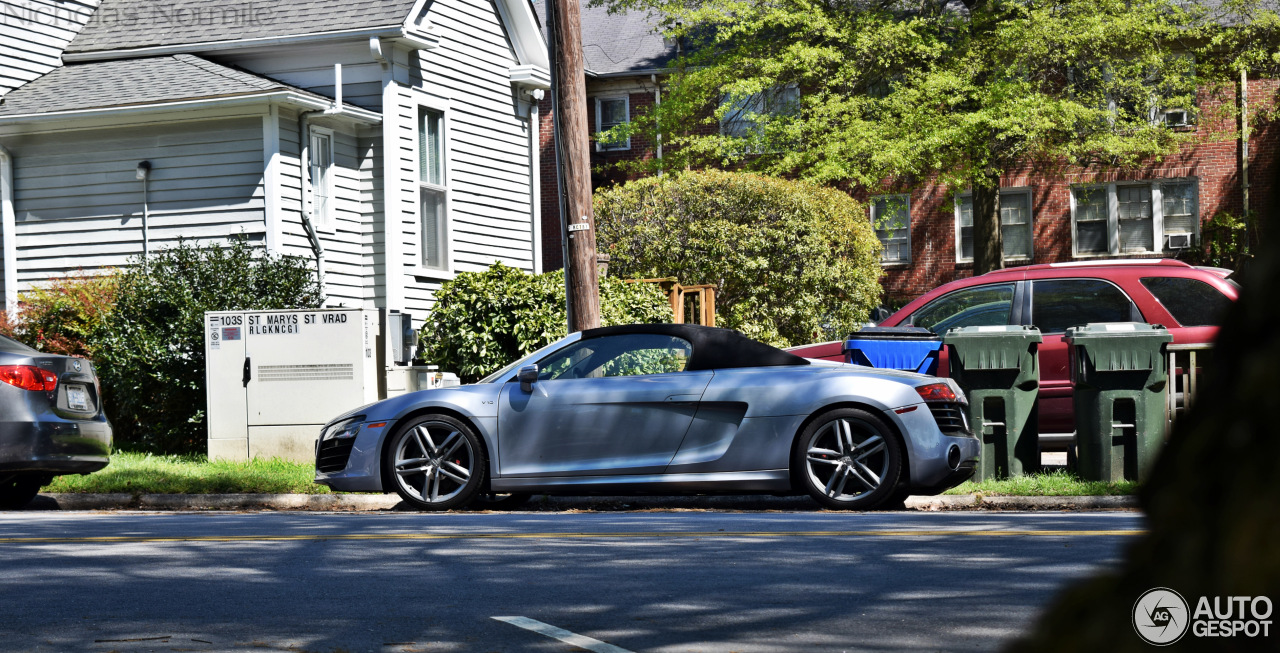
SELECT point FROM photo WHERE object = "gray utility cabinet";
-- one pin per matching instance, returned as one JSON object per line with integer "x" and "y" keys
{"x": 273, "y": 378}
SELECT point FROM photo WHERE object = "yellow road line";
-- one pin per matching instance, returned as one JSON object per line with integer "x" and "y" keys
{"x": 112, "y": 539}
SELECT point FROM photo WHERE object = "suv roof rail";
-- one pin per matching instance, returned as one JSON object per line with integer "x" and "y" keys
{"x": 1109, "y": 261}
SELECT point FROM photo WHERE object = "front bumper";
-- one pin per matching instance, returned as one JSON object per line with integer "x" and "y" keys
{"x": 352, "y": 464}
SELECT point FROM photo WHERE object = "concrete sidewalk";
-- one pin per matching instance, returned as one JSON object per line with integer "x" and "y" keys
{"x": 375, "y": 502}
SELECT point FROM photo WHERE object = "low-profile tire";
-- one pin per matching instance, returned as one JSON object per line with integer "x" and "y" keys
{"x": 848, "y": 459}
{"x": 435, "y": 462}
{"x": 17, "y": 490}
{"x": 498, "y": 501}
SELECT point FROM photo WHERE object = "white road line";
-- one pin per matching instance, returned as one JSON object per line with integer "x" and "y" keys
{"x": 581, "y": 641}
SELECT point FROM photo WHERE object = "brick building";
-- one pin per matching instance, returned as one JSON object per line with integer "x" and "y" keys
{"x": 1153, "y": 211}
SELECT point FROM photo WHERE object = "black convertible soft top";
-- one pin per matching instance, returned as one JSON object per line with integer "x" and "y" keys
{"x": 713, "y": 348}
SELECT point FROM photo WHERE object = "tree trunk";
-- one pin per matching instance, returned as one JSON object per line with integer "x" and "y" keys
{"x": 988, "y": 245}
{"x": 574, "y": 166}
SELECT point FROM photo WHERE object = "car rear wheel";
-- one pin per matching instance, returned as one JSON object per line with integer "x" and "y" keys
{"x": 848, "y": 459}
{"x": 17, "y": 490}
{"x": 436, "y": 462}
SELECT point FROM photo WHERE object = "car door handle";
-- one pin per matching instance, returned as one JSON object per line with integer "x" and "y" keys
{"x": 683, "y": 399}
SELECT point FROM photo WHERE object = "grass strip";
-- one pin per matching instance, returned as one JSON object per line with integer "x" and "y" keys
{"x": 141, "y": 473}
{"x": 1055, "y": 483}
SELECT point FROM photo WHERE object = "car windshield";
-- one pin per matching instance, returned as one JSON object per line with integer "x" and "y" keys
{"x": 11, "y": 346}
{"x": 494, "y": 377}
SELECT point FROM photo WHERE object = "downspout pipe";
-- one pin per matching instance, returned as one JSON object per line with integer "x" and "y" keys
{"x": 304, "y": 160}
{"x": 8, "y": 233}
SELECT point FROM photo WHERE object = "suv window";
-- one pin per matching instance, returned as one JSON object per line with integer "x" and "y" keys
{"x": 1191, "y": 302}
{"x": 979, "y": 306}
{"x": 623, "y": 355}
{"x": 1057, "y": 304}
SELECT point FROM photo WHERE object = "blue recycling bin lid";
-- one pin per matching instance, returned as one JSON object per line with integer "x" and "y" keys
{"x": 912, "y": 349}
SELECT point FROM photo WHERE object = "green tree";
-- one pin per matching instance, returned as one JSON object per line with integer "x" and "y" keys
{"x": 794, "y": 262}
{"x": 860, "y": 92}
{"x": 151, "y": 352}
{"x": 484, "y": 320}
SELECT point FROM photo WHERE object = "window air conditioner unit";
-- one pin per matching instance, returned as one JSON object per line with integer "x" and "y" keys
{"x": 1179, "y": 241}
{"x": 1176, "y": 117}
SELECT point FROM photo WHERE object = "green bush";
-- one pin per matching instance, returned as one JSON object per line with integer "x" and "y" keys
{"x": 1222, "y": 243}
{"x": 484, "y": 320}
{"x": 151, "y": 356}
{"x": 65, "y": 315}
{"x": 793, "y": 262}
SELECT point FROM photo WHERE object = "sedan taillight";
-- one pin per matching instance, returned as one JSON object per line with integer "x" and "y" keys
{"x": 29, "y": 377}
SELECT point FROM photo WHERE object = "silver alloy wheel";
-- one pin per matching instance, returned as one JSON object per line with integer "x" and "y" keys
{"x": 848, "y": 458}
{"x": 433, "y": 462}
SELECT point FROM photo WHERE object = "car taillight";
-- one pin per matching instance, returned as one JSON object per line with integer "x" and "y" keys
{"x": 29, "y": 377}
{"x": 936, "y": 392}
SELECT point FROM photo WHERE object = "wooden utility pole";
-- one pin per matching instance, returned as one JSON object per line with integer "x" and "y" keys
{"x": 573, "y": 163}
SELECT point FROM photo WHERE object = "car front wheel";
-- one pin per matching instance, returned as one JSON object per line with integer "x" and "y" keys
{"x": 437, "y": 463}
{"x": 848, "y": 459}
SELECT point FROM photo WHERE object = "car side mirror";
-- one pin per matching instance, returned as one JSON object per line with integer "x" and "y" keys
{"x": 527, "y": 376}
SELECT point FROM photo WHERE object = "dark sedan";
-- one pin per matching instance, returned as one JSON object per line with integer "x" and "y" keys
{"x": 51, "y": 421}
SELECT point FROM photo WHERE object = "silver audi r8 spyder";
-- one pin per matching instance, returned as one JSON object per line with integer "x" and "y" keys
{"x": 659, "y": 409}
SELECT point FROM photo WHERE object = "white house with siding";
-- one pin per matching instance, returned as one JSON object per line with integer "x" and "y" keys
{"x": 392, "y": 142}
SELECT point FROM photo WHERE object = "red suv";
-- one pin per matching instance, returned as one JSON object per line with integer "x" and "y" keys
{"x": 1188, "y": 301}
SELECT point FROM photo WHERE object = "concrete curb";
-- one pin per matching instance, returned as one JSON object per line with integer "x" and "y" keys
{"x": 375, "y": 502}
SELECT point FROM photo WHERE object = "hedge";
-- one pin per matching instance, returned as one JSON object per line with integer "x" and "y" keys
{"x": 482, "y": 321}
{"x": 794, "y": 262}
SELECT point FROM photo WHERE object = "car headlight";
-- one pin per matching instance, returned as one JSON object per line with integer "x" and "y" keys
{"x": 347, "y": 428}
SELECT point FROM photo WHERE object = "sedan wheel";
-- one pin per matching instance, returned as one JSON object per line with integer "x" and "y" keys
{"x": 848, "y": 459}
{"x": 437, "y": 463}
{"x": 17, "y": 490}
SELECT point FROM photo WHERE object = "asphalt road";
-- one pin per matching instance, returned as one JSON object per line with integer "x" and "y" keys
{"x": 613, "y": 582}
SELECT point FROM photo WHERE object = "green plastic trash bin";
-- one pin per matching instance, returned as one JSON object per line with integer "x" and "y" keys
{"x": 999, "y": 369}
{"x": 1119, "y": 375}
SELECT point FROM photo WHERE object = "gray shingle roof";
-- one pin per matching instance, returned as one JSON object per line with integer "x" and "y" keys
{"x": 126, "y": 82}
{"x": 125, "y": 24}
{"x": 628, "y": 42}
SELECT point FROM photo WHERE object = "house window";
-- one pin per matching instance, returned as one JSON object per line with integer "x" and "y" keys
{"x": 1181, "y": 215}
{"x": 1091, "y": 231}
{"x": 1134, "y": 217}
{"x": 1015, "y": 225}
{"x": 611, "y": 112}
{"x": 433, "y": 194}
{"x": 744, "y": 116}
{"x": 320, "y": 153}
{"x": 891, "y": 217}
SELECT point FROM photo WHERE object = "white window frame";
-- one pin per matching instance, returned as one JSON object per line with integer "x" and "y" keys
{"x": 1113, "y": 233}
{"x": 874, "y": 200}
{"x": 322, "y": 214}
{"x": 626, "y": 108}
{"x": 445, "y": 226}
{"x": 1159, "y": 238}
{"x": 1031, "y": 224}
